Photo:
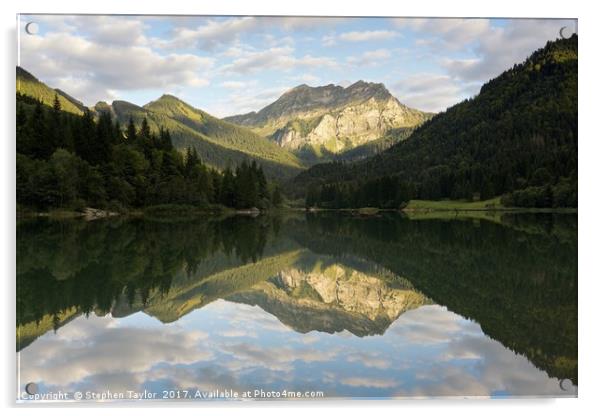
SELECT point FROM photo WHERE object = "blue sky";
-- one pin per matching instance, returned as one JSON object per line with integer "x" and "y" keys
{"x": 231, "y": 65}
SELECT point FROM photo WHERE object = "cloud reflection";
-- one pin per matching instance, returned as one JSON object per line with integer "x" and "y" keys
{"x": 428, "y": 351}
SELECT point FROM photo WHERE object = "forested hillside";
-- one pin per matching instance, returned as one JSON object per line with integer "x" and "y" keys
{"x": 516, "y": 138}
{"x": 29, "y": 85}
{"x": 72, "y": 161}
{"x": 218, "y": 143}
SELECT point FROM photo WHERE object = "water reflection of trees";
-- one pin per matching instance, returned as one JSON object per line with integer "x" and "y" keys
{"x": 517, "y": 278}
{"x": 61, "y": 264}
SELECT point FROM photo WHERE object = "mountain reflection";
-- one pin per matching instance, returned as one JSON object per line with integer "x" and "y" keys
{"x": 332, "y": 299}
{"x": 514, "y": 275}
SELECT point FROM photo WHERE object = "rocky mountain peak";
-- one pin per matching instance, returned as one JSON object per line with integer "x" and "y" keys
{"x": 331, "y": 117}
{"x": 366, "y": 90}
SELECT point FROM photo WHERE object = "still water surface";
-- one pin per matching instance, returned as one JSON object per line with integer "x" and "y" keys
{"x": 343, "y": 306}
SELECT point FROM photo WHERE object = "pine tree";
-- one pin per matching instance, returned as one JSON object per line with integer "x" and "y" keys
{"x": 130, "y": 133}
{"x": 42, "y": 147}
{"x": 56, "y": 105}
{"x": 117, "y": 134}
{"x": 227, "y": 196}
{"x": 164, "y": 139}
{"x": 56, "y": 129}
{"x": 24, "y": 144}
{"x": 145, "y": 132}
{"x": 192, "y": 159}
{"x": 262, "y": 183}
{"x": 276, "y": 196}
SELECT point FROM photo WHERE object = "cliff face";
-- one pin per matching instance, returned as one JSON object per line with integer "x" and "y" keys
{"x": 348, "y": 127}
{"x": 331, "y": 118}
{"x": 332, "y": 300}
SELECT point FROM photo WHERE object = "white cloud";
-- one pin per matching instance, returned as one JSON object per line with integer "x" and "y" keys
{"x": 329, "y": 40}
{"x": 370, "y": 360}
{"x": 431, "y": 324}
{"x": 233, "y": 51}
{"x": 254, "y": 354}
{"x": 454, "y": 33}
{"x": 501, "y": 47}
{"x": 246, "y": 100}
{"x": 237, "y": 333}
{"x": 216, "y": 32}
{"x": 429, "y": 92}
{"x": 112, "y": 30}
{"x": 487, "y": 51}
{"x": 370, "y": 58}
{"x": 106, "y": 30}
{"x": 382, "y": 383}
{"x": 93, "y": 71}
{"x": 358, "y": 36}
{"x": 494, "y": 48}
{"x": 273, "y": 41}
{"x": 489, "y": 367}
{"x": 213, "y": 33}
{"x": 234, "y": 85}
{"x": 307, "y": 78}
{"x": 368, "y": 35}
{"x": 279, "y": 58}
{"x": 98, "y": 346}
{"x": 302, "y": 23}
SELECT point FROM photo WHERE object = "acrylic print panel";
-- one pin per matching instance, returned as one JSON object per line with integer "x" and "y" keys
{"x": 279, "y": 208}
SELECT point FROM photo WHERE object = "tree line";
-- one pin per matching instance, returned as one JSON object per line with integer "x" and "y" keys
{"x": 384, "y": 192}
{"x": 71, "y": 161}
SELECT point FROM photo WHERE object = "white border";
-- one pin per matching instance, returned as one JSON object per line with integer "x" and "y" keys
{"x": 590, "y": 152}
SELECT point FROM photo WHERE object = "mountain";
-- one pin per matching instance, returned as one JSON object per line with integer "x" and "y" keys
{"x": 217, "y": 142}
{"x": 517, "y": 137}
{"x": 29, "y": 85}
{"x": 330, "y": 119}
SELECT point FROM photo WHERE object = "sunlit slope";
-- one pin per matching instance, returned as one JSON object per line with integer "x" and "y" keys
{"x": 218, "y": 143}
{"x": 29, "y": 85}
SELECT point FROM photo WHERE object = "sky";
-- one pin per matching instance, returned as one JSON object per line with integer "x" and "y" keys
{"x": 236, "y": 64}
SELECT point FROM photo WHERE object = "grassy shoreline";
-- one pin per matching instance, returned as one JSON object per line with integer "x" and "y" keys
{"x": 453, "y": 205}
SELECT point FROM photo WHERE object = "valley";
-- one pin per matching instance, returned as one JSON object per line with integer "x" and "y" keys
{"x": 358, "y": 146}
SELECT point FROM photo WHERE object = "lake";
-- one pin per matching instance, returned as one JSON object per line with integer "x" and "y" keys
{"x": 299, "y": 305}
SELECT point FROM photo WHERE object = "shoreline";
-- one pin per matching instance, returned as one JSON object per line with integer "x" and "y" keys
{"x": 155, "y": 211}
{"x": 365, "y": 211}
